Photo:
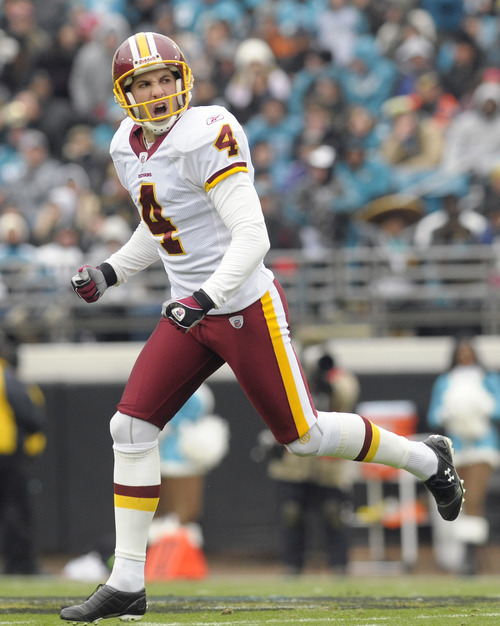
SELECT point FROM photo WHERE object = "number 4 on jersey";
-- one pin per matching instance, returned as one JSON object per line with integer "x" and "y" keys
{"x": 161, "y": 227}
{"x": 227, "y": 141}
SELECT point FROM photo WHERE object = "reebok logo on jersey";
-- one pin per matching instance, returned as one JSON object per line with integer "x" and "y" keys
{"x": 214, "y": 118}
{"x": 236, "y": 321}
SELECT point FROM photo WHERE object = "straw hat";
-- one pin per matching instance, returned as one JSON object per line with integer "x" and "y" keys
{"x": 406, "y": 206}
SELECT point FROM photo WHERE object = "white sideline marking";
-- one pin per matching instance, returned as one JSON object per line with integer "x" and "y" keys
{"x": 369, "y": 621}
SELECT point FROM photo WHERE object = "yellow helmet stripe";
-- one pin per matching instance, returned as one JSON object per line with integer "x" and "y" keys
{"x": 143, "y": 45}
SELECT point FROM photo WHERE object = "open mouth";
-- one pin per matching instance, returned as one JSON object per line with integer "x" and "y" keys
{"x": 160, "y": 109}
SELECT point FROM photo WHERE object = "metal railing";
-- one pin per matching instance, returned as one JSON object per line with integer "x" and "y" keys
{"x": 443, "y": 287}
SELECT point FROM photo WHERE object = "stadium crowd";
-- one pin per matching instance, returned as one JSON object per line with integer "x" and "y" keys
{"x": 370, "y": 122}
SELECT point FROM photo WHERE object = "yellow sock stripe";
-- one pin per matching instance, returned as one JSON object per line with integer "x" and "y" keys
{"x": 284, "y": 364}
{"x": 137, "y": 504}
{"x": 371, "y": 442}
{"x": 375, "y": 443}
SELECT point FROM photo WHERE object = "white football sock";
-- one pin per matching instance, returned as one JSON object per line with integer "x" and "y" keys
{"x": 350, "y": 436}
{"x": 137, "y": 490}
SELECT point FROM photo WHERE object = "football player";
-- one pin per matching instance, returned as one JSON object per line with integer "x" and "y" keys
{"x": 189, "y": 172}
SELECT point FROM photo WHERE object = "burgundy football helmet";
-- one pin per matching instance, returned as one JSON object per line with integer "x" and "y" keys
{"x": 141, "y": 53}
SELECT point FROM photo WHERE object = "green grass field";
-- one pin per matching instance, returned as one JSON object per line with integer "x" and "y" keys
{"x": 252, "y": 600}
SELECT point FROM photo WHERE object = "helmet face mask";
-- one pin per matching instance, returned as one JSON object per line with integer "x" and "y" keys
{"x": 142, "y": 53}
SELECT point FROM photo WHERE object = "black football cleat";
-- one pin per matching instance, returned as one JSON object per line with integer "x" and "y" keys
{"x": 445, "y": 485}
{"x": 107, "y": 602}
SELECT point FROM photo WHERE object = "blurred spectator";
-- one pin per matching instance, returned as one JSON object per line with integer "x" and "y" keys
{"x": 361, "y": 177}
{"x": 71, "y": 203}
{"x": 310, "y": 489}
{"x": 446, "y": 14}
{"x": 275, "y": 126}
{"x": 292, "y": 15}
{"x": 257, "y": 77}
{"x": 22, "y": 437}
{"x": 459, "y": 64}
{"x": 115, "y": 199}
{"x": 9, "y": 49}
{"x": 369, "y": 79}
{"x": 282, "y": 234}
{"x": 472, "y": 143}
{"x": 414, "y": 57}
{"x": 390, "y": 34}
{"x": 465, "y": 405}
{"x": 36, "y": 108}
{"x": 111, "y": 234}
{"x": 319, "y": 126}
{"x": 43, "y": 111}
{"x": 57, "y": 60}
{"x": 362, "y": 126}
{"x": 317, "y": 64}
{"x": 326, "y": 92}
{"x": 291, "y": 49}
{"x": 90, "y": 81}
{"x": 80, "y": 148}
{"x": 451, "y": 224}
{"x": 311, "y": 205}
{"x": 219, "y": 47}
{"x": 18, "y": 20}
{"x": 30, "y": 191}
{"x": 233, "y": 13}
{"x": 490, "y": 208}
{"x": 481, "y": 23}
{"x": 58, "y": 258}
{"x": 17, "y": 255}
{"x": 433, "y": 102}
{"x": 338, "y": 29}
{"x": 387, "y": 225}
{"x": 414, "y": 146}
{"x": 146, "y": 15}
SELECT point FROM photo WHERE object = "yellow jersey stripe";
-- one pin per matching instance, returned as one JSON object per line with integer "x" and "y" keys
{"x": 214, "y": 181}
{"x": 284, "y": 364}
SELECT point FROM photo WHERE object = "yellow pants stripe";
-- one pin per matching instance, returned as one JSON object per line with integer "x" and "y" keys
{"x": 284, "y": 364}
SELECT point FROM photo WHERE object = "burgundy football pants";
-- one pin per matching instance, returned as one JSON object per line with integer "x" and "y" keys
{"x": 256, "y": 345}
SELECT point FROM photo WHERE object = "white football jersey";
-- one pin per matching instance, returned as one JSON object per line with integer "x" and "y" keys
{"x": 170, "y": 183}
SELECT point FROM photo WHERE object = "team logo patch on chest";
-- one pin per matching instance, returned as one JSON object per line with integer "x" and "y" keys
{"x": 236, "y": 321}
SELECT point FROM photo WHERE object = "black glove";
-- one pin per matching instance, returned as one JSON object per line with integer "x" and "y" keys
{"x": 187, "y": 312}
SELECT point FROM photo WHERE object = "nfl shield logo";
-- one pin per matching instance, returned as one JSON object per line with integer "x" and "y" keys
{"x": 236, "y": 321}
